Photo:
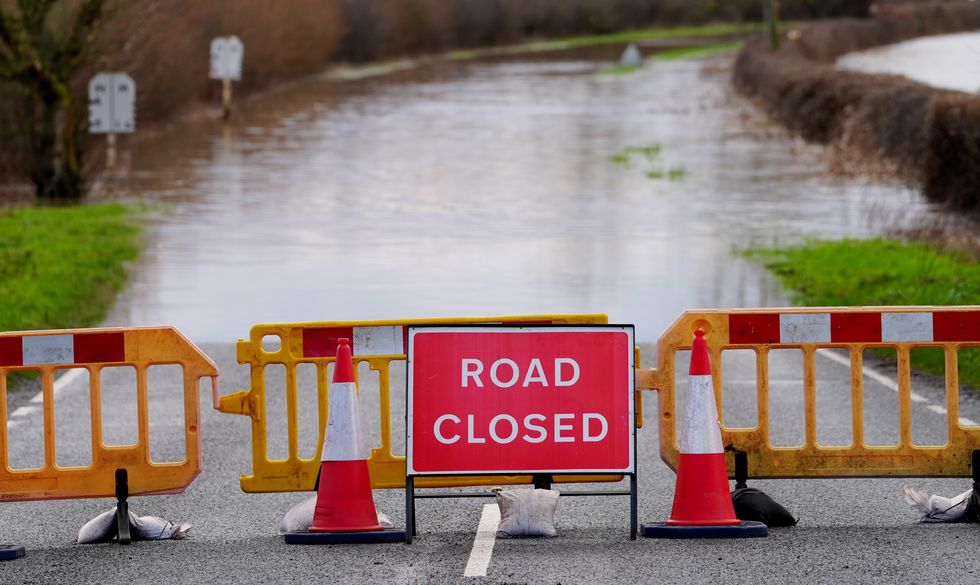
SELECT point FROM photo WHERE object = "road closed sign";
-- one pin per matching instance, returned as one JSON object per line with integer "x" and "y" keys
{"x": 528, "y": 399}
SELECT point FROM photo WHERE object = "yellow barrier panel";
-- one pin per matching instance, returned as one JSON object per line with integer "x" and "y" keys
{"x": 93, "y": 350}
{"x": 377, "y": 343}
{"x": 809, "y": 330}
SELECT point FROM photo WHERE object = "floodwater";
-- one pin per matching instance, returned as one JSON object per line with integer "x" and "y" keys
{"x": 480, "y": 188}
{"x": 944, "y": 61}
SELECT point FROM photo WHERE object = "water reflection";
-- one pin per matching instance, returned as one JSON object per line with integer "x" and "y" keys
{"x": 476, "y": 189}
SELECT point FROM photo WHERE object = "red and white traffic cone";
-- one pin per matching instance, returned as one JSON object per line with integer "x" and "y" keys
{"x": 345, "y": 509}
{"x": 702, "y": 503}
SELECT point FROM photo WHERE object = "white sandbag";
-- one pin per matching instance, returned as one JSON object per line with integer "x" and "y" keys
{"x": 527, "y": 512}
{"x": 937, "y": 508}
{"x": 631, "y": 57}
{"x": 102, "y": 528}
{"x": 299, "y": 518}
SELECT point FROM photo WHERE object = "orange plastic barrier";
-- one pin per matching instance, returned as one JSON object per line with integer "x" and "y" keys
{"x": 93, "y": 350}
{"x": 810, "y": 330}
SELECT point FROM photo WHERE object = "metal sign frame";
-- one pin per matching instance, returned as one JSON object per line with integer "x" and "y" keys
{"x": 108, "y": 102}
{"x": 541, "y": 478}
{"x": 227, "y": 55}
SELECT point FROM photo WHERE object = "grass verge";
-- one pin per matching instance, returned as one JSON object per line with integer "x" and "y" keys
{"x": 881, "y": 272}
{"x": 696, "y": 52}
{"x": 633, "y": 36}
{"x": 61, "y": 267}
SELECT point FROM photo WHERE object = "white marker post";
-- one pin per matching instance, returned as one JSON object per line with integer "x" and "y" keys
{"x": 226, "y": 65}
{"x": 111, "y": 109}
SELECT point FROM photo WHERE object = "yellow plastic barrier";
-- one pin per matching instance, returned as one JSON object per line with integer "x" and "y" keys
{"x": 378, "y": 343}
{"x": 809, "y": 329}
{"x": 93, "y": 350}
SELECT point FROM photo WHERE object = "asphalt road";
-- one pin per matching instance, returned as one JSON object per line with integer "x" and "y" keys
{"x": 857, "y": 530}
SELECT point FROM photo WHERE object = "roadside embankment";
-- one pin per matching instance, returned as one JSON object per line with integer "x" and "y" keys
{"x": 881, "y": 272}
{"x": 878, "y": 124}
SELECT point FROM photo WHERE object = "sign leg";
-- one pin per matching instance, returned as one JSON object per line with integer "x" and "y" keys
{"x": 633, "y": 506}
{"x": 226, "y": 98}
{"x": 409, "y": 509}
{"x": 110, "y": 153}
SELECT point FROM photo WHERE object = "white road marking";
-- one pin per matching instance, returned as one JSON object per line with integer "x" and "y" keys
{"x": 869, "y": 373}
{"x": 798, "y": 382}
{"x": 61, "y": 383}
{"x": 24, "y": 410}
{"x": 486, "y": 535}
{"x": 889, "y": 383}
{"x": 964, "y": 422}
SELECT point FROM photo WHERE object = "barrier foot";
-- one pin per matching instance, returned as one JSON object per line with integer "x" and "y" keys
{"x": 740, "y": 530}
{"x": 122, "y": 507}
{"x": 541, "y": 481}
{"x": 372, "y": 536}
{"x": 741, "y": 469}
{"x": 9, "y": 552}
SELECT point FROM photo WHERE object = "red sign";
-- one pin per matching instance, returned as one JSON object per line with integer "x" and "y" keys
{"x": 520, "y": 400}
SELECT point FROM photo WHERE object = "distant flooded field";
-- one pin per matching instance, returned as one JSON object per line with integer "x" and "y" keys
{"x": 519, "y": 185}
{"x": 946, "y": 61}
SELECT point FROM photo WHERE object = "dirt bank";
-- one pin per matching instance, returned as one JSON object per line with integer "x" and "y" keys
{"x": 880, "y": 124}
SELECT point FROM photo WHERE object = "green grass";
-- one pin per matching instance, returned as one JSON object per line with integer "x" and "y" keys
{"x": 696, "y": 52}
{"x": 880, "y": 272}
{"x": 649, "y": 156}
{"x": 619, "y": 70}
{"x": 61, "y": 267}
{"x": 625, "y": 37}
{"x": 625, "y": 156}
{"x": 651, "y": 34}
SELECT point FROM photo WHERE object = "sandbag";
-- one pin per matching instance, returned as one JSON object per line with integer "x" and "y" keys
{"x": 527, "y": 513}
{"x": 935, "y": 508}
{"x": 103, "y": 528}
{"x": 755, "y": 506}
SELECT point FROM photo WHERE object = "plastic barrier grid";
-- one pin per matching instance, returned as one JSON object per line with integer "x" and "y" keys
{"x": 377, "y": 343}
{"x": 810, "y": 329}
{"x": 93, "y": 350}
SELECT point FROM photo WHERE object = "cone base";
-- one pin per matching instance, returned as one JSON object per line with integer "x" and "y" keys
{"x": 9, "y": 552}
{"x": 366, "y": 536}
{"x": 363, "y": 528}
{"x": 741, "y": 530}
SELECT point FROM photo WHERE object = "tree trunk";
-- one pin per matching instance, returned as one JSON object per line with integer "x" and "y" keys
{"x": 55, "y": 158}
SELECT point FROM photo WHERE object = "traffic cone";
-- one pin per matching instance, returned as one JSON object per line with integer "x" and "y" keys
{"x": 345, "y": 509}
{"x": 702, "y": 503}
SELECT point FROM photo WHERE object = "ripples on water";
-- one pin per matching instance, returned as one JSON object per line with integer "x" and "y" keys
{"x": 478, "y": 189}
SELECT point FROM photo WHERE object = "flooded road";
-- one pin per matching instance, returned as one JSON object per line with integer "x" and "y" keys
{"x": 945, "y": 61}
{"x": 481, "y": 188}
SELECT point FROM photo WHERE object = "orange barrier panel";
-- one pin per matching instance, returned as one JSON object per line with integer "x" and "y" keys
{"x": 93, "y": 350}
{"x": 377, "y": 343}
{"x": 812, "y": 330}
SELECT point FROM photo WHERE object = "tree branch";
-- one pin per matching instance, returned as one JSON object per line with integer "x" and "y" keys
{"x": 6, "y": 20}
{"x": 85, "y": 22}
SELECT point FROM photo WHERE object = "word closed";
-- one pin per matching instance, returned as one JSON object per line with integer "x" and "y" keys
{"x": 531, "y": 399}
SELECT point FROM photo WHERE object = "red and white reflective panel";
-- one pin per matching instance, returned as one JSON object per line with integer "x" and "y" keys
{"x": 701, "y": 431}
{"x": 78, "y": 349}
{"x": 520, "y": 400}
{"x": 365, "y": 341}
{"x": 344, "y": 438}
{"x": 855, "y": 327}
